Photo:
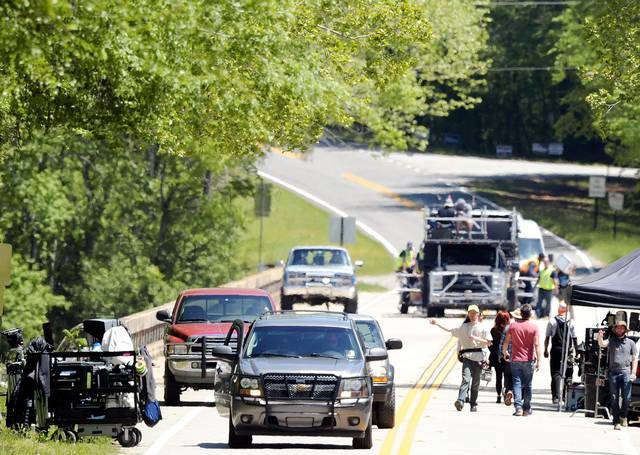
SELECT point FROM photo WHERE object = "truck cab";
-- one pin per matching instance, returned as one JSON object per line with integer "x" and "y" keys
{"x": 201, "y": 319}
{"x": 465, "y": 260}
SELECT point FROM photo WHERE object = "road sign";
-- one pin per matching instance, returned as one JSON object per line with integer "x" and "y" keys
{"x": 504, "y": 150}
{"x": 556, "y": 149}
{"x": 539, "y": 149}
{"x": 616, "y": 201}
{"x": 342, "y": 230}
{"x": 597, "y": 187}
{"x": 262, "y": 206}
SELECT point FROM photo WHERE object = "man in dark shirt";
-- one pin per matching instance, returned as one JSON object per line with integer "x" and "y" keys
{"x": 623, "y": 362}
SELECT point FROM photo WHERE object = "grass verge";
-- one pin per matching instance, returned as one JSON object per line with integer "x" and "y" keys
{"x": 32, "y": 443}
{"x": 294, "y": 221}
{"x": 563, "y": 206}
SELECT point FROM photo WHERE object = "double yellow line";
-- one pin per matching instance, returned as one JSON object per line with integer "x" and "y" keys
{"x": 381, "y": 189}
{"x": 419, "y": 395}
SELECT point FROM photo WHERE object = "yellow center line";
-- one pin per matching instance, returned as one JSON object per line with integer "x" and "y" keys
{"x": 411, "y": 395}
{"x": 286, "y": 153}
{"x": 407, "y": 442}
{"x": 381, "y": 189}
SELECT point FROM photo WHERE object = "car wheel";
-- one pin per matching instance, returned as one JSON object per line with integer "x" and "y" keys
{"x": 512, "y": 299}
{"x": 351, "y": 306}
{"x": 171, "y": 388}
{"x": 235, "y": 440}
{"x": 365, "y": 442}
{"x": 286, "y": 302}
{"x": 386, "y": 411}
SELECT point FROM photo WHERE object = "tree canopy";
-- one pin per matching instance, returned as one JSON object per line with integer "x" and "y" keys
{"x": 128, "y": 129}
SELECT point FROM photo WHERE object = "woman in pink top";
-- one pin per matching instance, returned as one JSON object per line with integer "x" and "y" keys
{"x": 525, "y": 356}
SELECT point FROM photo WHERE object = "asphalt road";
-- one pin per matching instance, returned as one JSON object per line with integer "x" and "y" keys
{"x": 386, "y": 194}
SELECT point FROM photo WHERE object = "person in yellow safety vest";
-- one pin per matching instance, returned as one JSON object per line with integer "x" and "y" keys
{"x": 546, "y": 284}
{"x": 406, "y": 259}
{"x": 530, "y": 268}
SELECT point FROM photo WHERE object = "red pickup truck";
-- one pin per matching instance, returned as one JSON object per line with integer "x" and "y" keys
{"x": 201, "y": 319}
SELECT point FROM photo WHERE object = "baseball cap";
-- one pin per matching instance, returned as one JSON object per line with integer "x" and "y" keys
{"x": 473, "y": 308}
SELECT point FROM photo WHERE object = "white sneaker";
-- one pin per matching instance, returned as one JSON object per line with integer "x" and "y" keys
{"x": 616, "y": 426}
{"x": 623, "y": 422}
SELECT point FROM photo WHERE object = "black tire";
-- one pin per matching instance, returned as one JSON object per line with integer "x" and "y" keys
{"x": 127, "y": 440}
{"x": 386, "y": 412}
{"x": 512, "y": 299}
{"x": 71, "y": 436}
{"x": 365, "y": 442}
{"x": 351, "y": 306}
{"x": 236, "y": 441}
{"x": 138, "y": 435}
{"x": 171, "y": 388}
{"x": 286, "y": 302}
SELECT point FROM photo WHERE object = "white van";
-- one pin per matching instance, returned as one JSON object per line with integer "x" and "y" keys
{"x": 530, "y": 242}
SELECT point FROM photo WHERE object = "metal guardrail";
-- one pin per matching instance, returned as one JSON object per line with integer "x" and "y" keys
{"x": 145, "y": 329}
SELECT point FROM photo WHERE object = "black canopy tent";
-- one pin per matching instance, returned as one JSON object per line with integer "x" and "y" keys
{"x": 615, "y": 286}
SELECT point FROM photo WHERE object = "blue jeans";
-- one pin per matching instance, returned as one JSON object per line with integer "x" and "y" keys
{"x": 543, "y": 306}
{"x": 619, "y": 385}
{"x": 522, "y": 373}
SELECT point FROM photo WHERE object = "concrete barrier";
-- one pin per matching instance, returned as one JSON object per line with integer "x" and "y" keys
{"x": 146, "y": 330}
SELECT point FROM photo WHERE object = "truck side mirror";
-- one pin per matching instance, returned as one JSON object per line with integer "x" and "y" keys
{"x": 374, "y": 354}
{"x": 359, "y": 263}
{"x": 163, "y": 316}
{"x": 393, "y": 343}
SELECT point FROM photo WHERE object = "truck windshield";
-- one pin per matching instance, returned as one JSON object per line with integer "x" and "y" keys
{"x": 468, "y": 255}
{"x": 318, "y": 257}
{"x": 305, "y": 341}
{"x": 529, "y": 248}
{"x": 217, "y": 308}
{"x": 369, "y": 332}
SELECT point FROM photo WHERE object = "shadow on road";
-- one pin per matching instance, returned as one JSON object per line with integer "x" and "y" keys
{"x": 191, "y": 404}
{"x": 224, "y": 446}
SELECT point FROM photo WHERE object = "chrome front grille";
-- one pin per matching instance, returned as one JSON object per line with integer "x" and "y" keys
{"x": 300, "y": 387}
{"x": 210, "y": 342}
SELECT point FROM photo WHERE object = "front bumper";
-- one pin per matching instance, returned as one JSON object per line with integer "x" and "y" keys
{"x": 187, "y": 370}
{"x": 328, "y": 291}
{"x": 302, "y": 418}
{"x": 463, "y": 299}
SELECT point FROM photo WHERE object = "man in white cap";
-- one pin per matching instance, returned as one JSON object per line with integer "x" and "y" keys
{"x": 623, "y": 362}
{"x": 473, "y": 341}
{"x": 556, "y": 329}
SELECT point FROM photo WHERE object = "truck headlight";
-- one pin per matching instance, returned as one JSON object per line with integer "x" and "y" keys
{"x": 345, "y": 279}
{"x": 249, "y": 386}
{"x": 497, "y": 281}
{"x": 353, "y": 388}
{"x": 437, "y": 282}
{"x": 295, "y": 277}
{"x": 380, "y": 375}
{"x": 179, "y": 349}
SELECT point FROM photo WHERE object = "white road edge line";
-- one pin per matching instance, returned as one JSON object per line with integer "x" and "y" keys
{"x": 363, "y": 227}
{"x": 183, "y": 422}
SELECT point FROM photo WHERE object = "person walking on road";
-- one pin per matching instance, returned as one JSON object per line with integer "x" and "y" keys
{"x": 623, "y": 362}
{"x": 495, "y": 360}
{"x": 524, "y": 358}
{"x": 556, "y": 329}
{"x": 472, "y": 341}
{"x": 546, "y": 284}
